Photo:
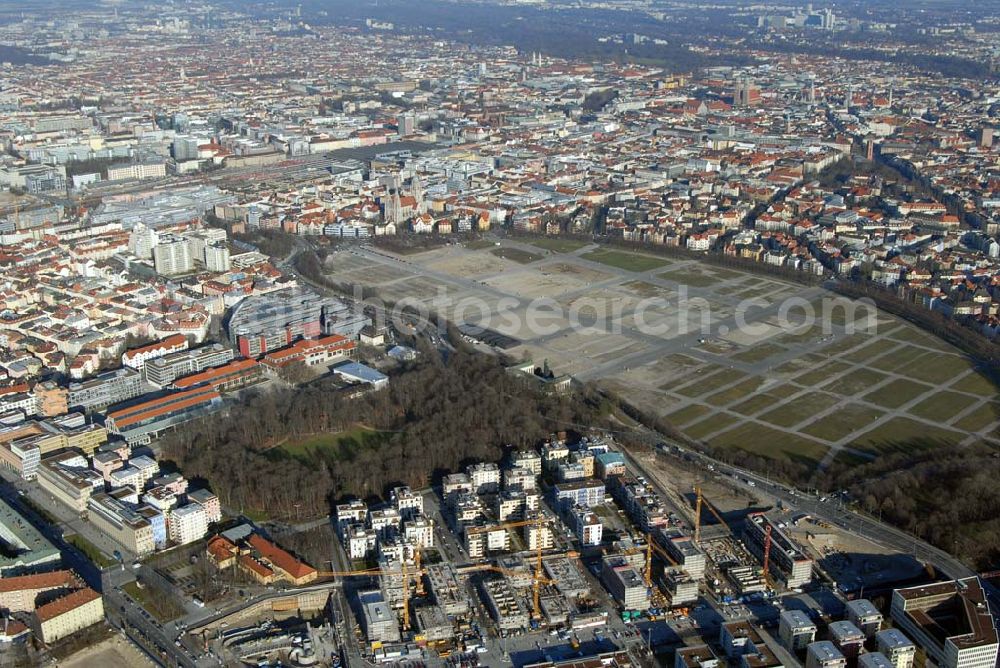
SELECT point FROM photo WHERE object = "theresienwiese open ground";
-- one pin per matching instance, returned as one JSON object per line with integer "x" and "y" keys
{"x": 811, "y": 394}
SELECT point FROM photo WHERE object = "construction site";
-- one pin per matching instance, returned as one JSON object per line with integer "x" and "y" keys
{"x": 514, "y": 564}
{"x": 566, "y": 551}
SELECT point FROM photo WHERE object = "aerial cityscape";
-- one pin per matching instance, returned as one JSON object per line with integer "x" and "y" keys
{"x": 529, "y": 333}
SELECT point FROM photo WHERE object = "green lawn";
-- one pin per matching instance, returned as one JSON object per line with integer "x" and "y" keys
{"x": 897, "y": 392}
{"x": 333, "y": 445}
{"x": 980, "y": 418}
{"x": 557, "y": 245}
{"x": 976, "y": 383}
{"x": 840, "y": 423}
{"x": 899, "y": 358}
{"x": 941, "y": 406}
{"x": 736, "y": 392}
{"x": 164, "y": 608}
{"x": 479, "y": 244}
{"x": 821, "y": 373}
{"x": 693, "y": 278}
{"x": 854, "y": 382}
{"x": 873, "y": 349}
{"x": 710, "y": 383}
{"x": 906, "y": 435}
{"x": 771, "y": 443}
{"x": 935, "y": 368}
{"x": 624, "y": 260}
{"x": 759, "y": 402}
{"x": 687, "y": 414}
{"x": 516, "y": 255}
{"x": 799, "y": 409}
{"x": 90, "y": 550}
{"x": 711, "y": 424}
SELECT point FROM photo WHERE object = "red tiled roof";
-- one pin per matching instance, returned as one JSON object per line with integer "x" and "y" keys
{"x": 280, "y": 558}
{"x": 37, "y": 581}
{"x": 67, "y": 603}
{"x": 211, "y": 375}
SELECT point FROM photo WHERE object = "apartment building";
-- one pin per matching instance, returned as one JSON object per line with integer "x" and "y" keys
{"x": 18, "y": 593}
{"x": 359, "y": 542}
{"x": 586, "y": 525}
{"x": 864, "y": 615}
{"x": 848, "y": 638}
{"x": 353, "y": 512}
{"x": 874, "y": 660}
{"x": 587, "y": 492}
{"x": 209, "y": 501}
{"x": 506, "y": 608}
{"x": 681, "y": 587}
{"x": 66, "y": 478}
{"x": 796, "y": 630}
{"x": 378, "y": 620}
{"x": 480, "y": 541}
{"x": 684, "y": 551}
{"x": 226, "y": 378}
{"x": 539, "y": 537}
{"x": 419, "y": 531}
{"x": 136, "y": 358}
{"x": 695, "y": 656}
{"x": 448, "y": 593}
{"x": 407, "y": 502}
{"x": 67, "y": 615}
{"x": 824, "y": 654}
{"x": 519, "y": 478}
{"x": 510, "y": 505}
{"x": 527, "y": 459}
{"x": 896, "y": 647}
{"x": 172, "y": 256}
{"x": 484, "y": 477}
{"x": 186, "y": 524}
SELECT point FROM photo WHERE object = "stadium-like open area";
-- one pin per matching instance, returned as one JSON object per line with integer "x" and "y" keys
{"x": 731, "y": 358}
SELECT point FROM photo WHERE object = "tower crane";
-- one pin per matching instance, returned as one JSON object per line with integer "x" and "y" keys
{"x": 651, "y": 547}
{"x": 700, "y": 501}
{"x": 376, "y": 572}
{"x": 538, "y": 522}
{"x": 766, "y": 561}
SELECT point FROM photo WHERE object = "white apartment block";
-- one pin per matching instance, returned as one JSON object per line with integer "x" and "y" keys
{"x": 407, "y": 502}
{"x": 172, "y": 256}
{"x": 187, "y": 524}
{"x": 485, "y": 477}
{"x": 360, "y": 542}
{"x": 419, "y": 531}
{"x": 519, "y": 478}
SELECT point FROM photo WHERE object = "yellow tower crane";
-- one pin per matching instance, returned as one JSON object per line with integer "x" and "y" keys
{"x": 700, "y": 501}
{"x": 377, "y": 572}
{"x": 539, "y": 523}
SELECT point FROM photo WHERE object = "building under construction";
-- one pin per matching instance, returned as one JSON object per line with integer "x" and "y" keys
{"x": 503, "y": 604}
{"x": 786, "y": 561}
